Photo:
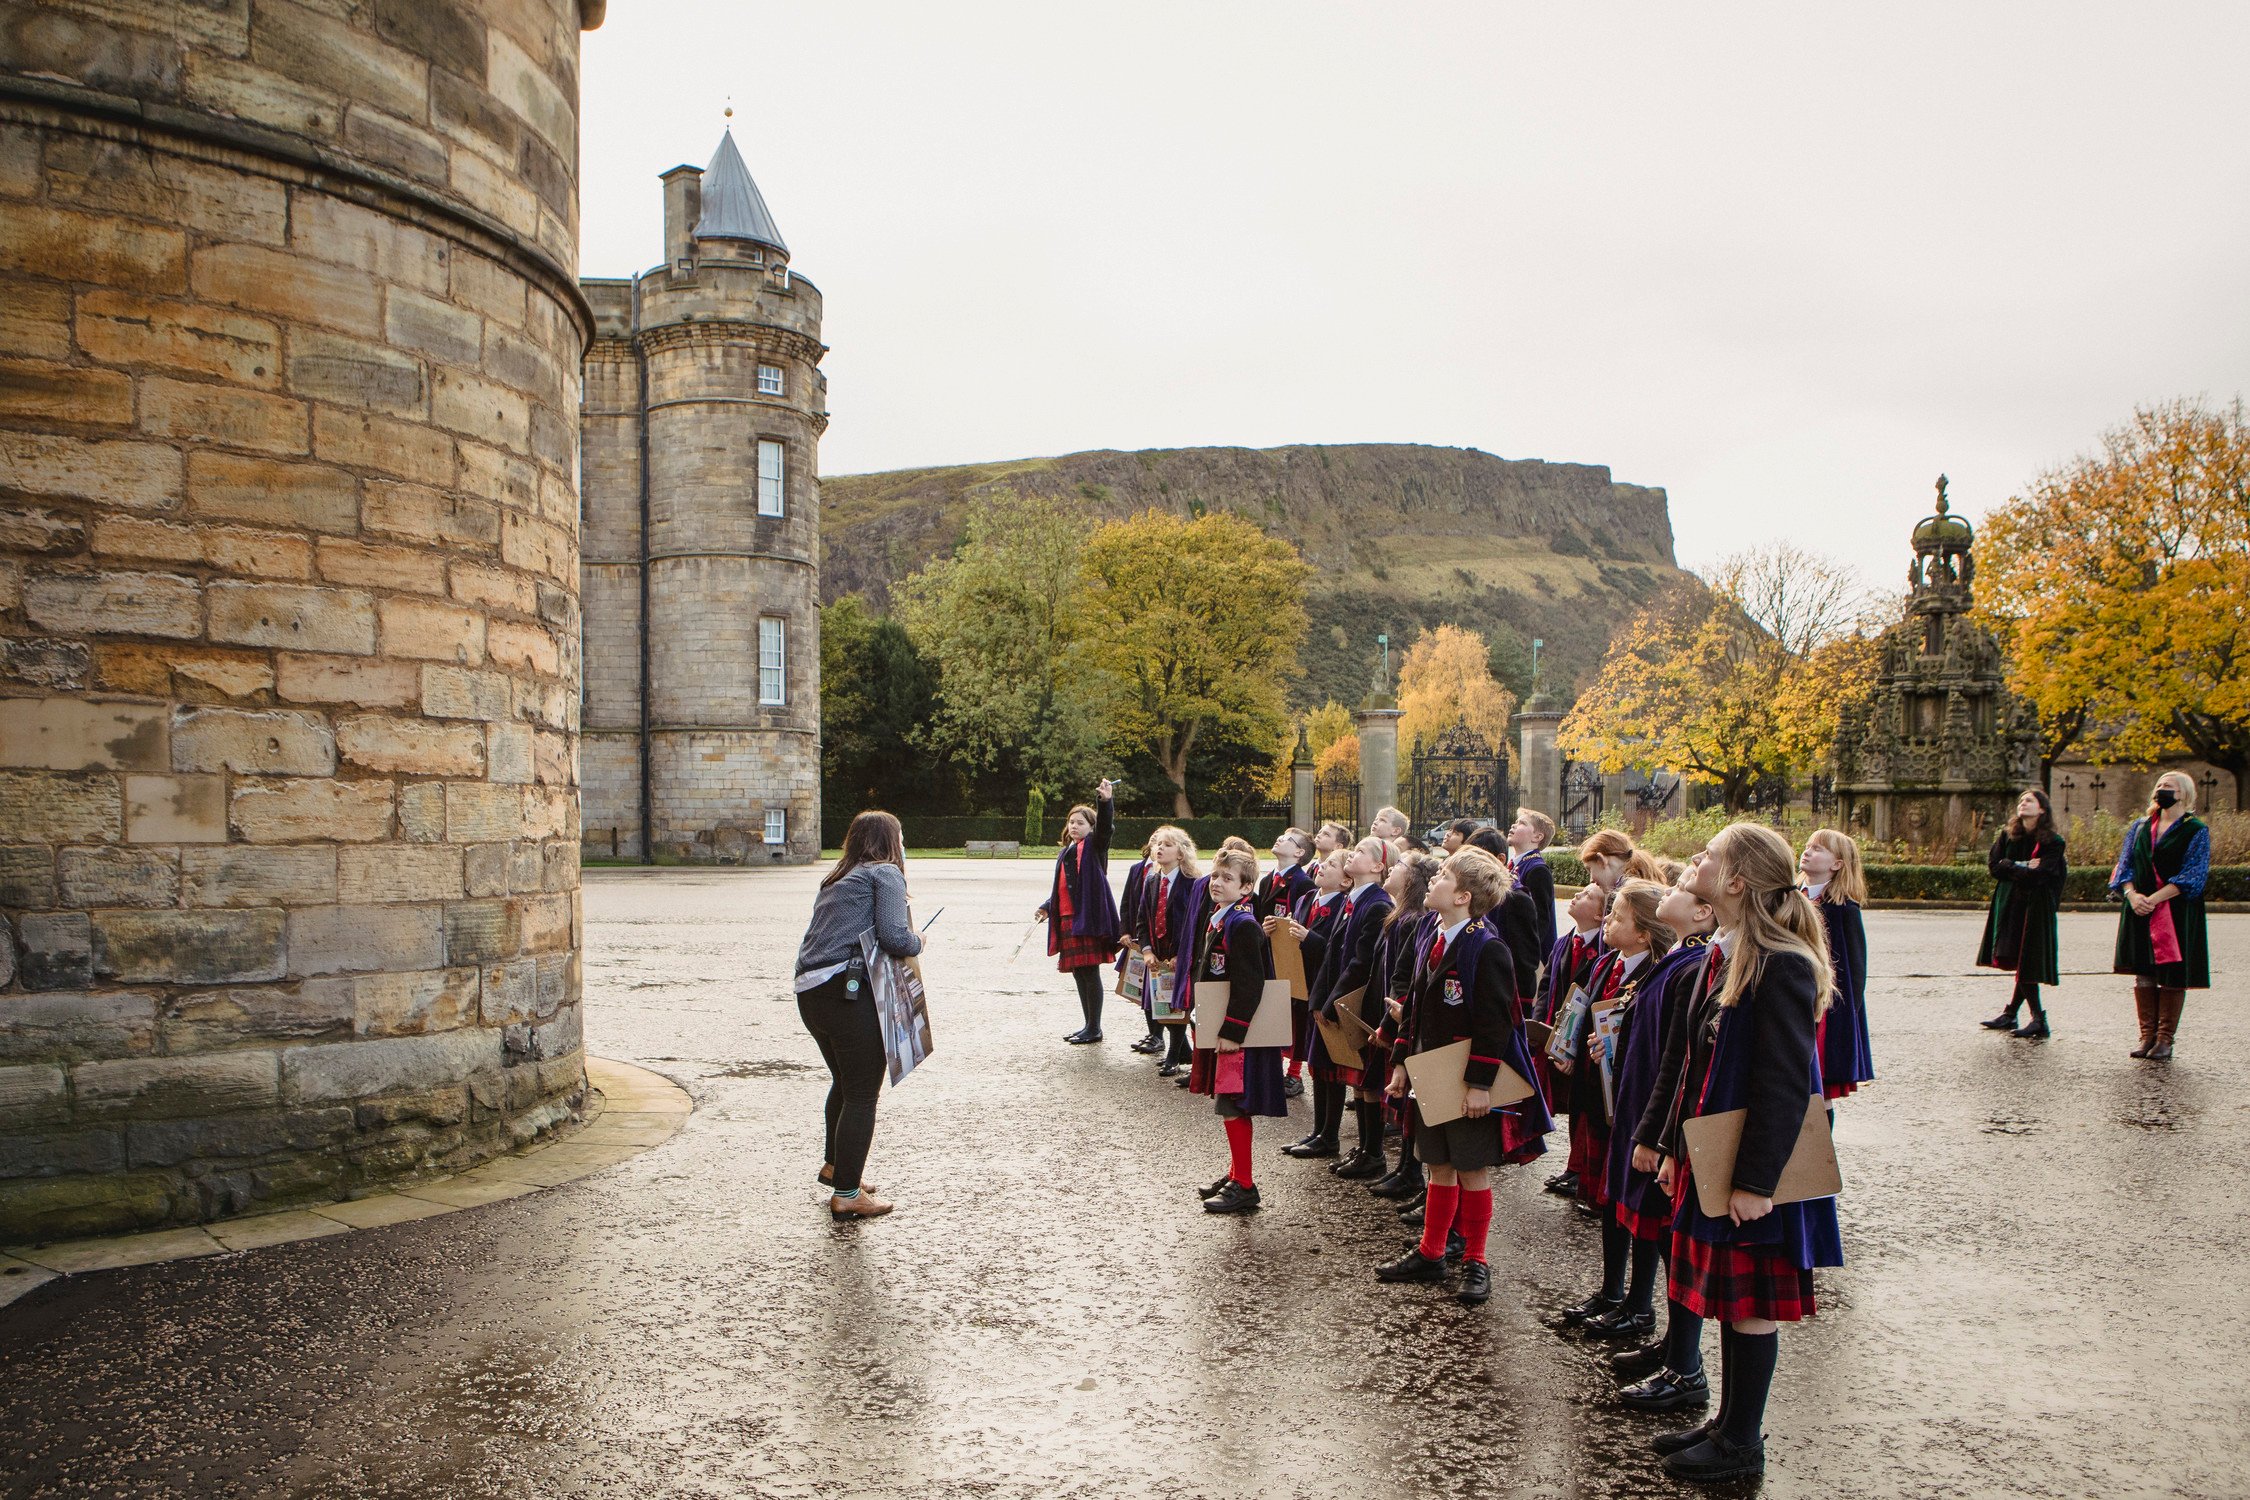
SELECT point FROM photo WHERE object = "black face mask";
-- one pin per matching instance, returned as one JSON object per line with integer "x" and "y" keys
{"x": 2165, "y": 796}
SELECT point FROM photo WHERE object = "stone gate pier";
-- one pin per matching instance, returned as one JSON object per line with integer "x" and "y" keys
{"x": 289, "y": 347}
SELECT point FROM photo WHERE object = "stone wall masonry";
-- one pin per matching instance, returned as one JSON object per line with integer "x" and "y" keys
{"x": 289, "y": 622}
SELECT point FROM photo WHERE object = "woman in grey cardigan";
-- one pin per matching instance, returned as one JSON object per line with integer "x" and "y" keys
{"x": 867, "y": 889}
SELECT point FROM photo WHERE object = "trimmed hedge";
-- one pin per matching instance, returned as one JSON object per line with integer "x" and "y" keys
{"x": 2086, "y": 883}
{"x": 946, "y": 832}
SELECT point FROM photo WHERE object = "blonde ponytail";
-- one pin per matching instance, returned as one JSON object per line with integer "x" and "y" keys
{"x": 1776, "y": 916}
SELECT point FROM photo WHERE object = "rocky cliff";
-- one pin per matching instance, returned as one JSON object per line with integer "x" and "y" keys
{"x": 1402, "y": 536}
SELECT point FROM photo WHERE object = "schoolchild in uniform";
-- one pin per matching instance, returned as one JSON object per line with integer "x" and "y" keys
{"x": 1464, "y": 987}
{"x": 1516, "y": 920}
{"x": 1635, "y": 941}
{"x": 1309, "y": 921}
{"x": 1571, "y": 963}
{"x": 1243, "y": 1082}
{"x": 1457, "y": 834}
{"x": 1528, "y": 837}
{"x": 2028, "y": 866}
{"x": 1347, "y": 962}
{"x": 1837, "y": 884}
{"x": 1651, "y": 1052}
{"x": 1080, "y": 912}
{"x": 1406, "y": 884}
{"x": 1389, "y": 824}
{"x": 1278, "y": 890}
{"x": 1332, "y": 838}
{"x": 1179, "y": 1051}
{"x": 1750, "y": 1045}
{"x": 1154, "y": 909}
{"x": 1132, "y": 934}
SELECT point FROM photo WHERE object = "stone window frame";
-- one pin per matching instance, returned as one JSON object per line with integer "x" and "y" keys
{"x": 780, "y": 448}
{"x": 773, "y": 380}
{"x": 779, "y": 666}
{"x": 777, "y": 825}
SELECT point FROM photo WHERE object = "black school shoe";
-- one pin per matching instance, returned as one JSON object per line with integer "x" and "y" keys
{"x": 1620, "y": 1326}
{"x": 1292, "y": 1087}
{"x": 1313, "y": 1148}
{"x": 1234, "y": 1198}
{"x": 1359, "y": 1167}
{"x": 1716, "y": 1461}
{"x": 2005, "y": 1021}
{"x": 1083, "y": 1037}
{"x": 1401, "y": 1185}
{"x": 1149, "y": 1044}
{"x": 1667, "y": 1390}
{"x": 1684, "y": 1439}
{"x": 1218, "y": 1187}
{"x": 1183, "y": 1080}
{"x": 1476, "y": 1283}
{"x": 1411, "y": 1215}
{"x": 2035, "y": 1028}
{"x": 1632, "y": 1364}
{"x": 1563, "y": 1184}
{"x": 1580, "y": 1313}
{"x": 1456, "y": 1248}
{"x": 1413, "y": 1266}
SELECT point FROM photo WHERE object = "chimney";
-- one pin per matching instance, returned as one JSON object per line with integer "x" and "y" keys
{"x": 683, "y": 208}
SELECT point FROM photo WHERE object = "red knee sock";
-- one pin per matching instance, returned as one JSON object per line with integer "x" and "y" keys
{"x": 1296, "y": 1065}
{"x": 1437, "y": 1217}
{"x": 1476, "y": 1219}
{"x": 1238, "y": 1149}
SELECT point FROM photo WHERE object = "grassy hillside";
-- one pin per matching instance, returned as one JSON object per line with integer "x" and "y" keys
{"x": 1401, "y": 536}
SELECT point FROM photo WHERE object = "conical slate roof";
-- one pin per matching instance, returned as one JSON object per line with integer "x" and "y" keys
{"x": 732, "y": 206}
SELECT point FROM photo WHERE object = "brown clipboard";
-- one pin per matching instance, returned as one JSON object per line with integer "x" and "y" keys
{"x": 1269, "y": 1024}
{"x": 1713, "y": 1140}
{"x": 1347, "y": 1007}
{"x": 1336, "y": 1036}
{"x": 1537, "y": 1033}
{"x": 1288, "y": 958}
{"x": 1439, "y": 1079}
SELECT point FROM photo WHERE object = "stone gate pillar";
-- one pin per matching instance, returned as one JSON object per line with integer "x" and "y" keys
{"x": 1301, "y": 800}
{"x": 288, "y": 599}
{"x": 1378, "y": 761}
{"x": 1541, "y": 765}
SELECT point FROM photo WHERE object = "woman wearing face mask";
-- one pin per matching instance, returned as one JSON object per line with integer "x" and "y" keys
{"x": 2160, "y": 936}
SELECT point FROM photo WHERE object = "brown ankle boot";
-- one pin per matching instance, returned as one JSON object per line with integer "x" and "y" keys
{"x": 2144, "y": 1001}
{"x": 2169, "y": 1004}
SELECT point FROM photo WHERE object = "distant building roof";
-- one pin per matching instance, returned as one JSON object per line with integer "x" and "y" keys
{"x": 733, "y": 209}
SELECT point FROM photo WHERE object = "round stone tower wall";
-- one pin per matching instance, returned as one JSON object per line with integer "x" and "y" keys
{"x": 289, "y": 344}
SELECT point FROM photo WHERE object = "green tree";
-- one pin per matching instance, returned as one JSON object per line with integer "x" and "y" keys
{"x": 875, "y": 696}
{"x": 1000, "y": 619}
{"x": 1191, "y": 630}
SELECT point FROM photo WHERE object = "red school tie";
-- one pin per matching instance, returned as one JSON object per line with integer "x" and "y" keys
{"x": 1157, "y": 928}
{"x": 1437, "y": 952}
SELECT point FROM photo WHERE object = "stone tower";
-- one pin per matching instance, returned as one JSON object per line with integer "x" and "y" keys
{"x": 289, "y": 345}
{"x": 1941, "y": 748}
{"x": 704, "y": 406}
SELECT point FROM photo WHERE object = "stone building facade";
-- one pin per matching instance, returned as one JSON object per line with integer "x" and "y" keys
{"x": 289, "y": 351}
{"x": 704, "y": 406}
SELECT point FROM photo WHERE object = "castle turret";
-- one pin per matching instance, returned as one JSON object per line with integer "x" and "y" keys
{"x": 704, "y": 409}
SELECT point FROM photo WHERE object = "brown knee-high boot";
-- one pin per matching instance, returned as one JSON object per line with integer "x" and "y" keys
{"x": 2144, "y": 1001}
{"x": 2169, "y": 1004}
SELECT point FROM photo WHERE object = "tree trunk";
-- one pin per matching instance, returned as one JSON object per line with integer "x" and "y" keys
{"x": 1174, "y": 758}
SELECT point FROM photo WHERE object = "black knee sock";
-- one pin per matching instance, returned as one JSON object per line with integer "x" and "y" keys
{"x": 1371, "y": 1128}
{"x": 1614, "y": 1244}
{"x": 1153, "y": 1028}
{"x": 1729, "y": 1367}
{"x": 1683, "y": 1339}
{"x": 1750, "y": 1373}
{"x": 2031, "y": 994}
{"x": 1090, "y": 996}
{"x": 1640, "y": 1296}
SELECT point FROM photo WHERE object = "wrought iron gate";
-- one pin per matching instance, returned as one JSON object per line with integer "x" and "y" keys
{"x": 1458, "y": 776}
{"x": 1336, "y": 797}
{"x": 1581, "y": 797}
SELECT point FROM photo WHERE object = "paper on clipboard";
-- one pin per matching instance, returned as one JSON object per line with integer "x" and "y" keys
{"x": 1608, "y": 1019}
{"x": 1713, "y": 1140}
{"x": 1439, "y": 1079}
{"x": 1348, "y": 1008}
{"x": 1569, "y": 1026}
{"x": 1288, "y": 959}
{"x": 1269, "y": 1024}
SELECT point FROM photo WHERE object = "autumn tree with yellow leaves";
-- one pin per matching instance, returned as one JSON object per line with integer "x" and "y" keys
{"x": 1445, "y": 678}
{"x": 1190, "y": 630}
{"x": 2121, "y": 581}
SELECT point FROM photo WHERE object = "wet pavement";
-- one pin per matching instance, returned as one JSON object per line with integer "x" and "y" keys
{"x": 2045, "y": 1294}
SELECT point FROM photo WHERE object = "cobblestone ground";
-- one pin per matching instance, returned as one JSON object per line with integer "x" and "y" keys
{"x": 2044, "y": 1298}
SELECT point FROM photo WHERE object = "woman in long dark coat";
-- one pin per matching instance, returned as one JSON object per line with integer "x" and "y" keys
{"x": 2160, "y": 936}
{"x": 2020, "y": 931}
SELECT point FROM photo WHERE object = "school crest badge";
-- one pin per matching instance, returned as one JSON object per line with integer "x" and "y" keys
{"x": 1452, "y": 995}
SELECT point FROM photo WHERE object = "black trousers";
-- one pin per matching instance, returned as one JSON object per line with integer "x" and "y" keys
{"x": 851, "y": 1043}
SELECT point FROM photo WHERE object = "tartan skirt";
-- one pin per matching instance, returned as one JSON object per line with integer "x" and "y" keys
{"x": 1261, "y": 1079}
{"x": 1589, "y": 1157}
{"x": 1655, "y": 1228}
{"x": 1734, "y": 1282}
{"x": 1075, "y": 950}
{"x": 1519, "y": 1143}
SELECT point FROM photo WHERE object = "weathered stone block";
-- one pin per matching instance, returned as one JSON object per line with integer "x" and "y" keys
{"x": 398, "y": 872}
{"x": 348, "y": 679}
{"x": 480, "y": 409}
{"x": 439, "y": 329}
{"x": 128, "y": 178}
{"x": 559, "y": 862}
{"x": 398, "y": 1004}
{"x": 289, "y": 287}
{"x": 57, "y": 950}
{"x": 131, "y": 476}
{"x": 432, "y": 632}
{"x": 480, "y": 813}
{"x": 27, "y": 875}
{"x": 508, "y": 753}
{"x": 486, "y": 870}
{"x": 54, "y": 1153}
{"x": 32, "y": 1095}
{"x": 189, "y": 947}
{"x": 146, "y": 541}
{"x": 387, "y": 1065}
{"x": 358, "y": 939}
{"x": 523, "y": 867}
{"x": 44, "y": 391}
{"x": 96, "y": 248}
{"x": 459, "y": 693}
{"x": 59, "y": 1026}
{"x": 124, "y": 328}
{"x": 165, "y": 1143}
{"x": 225, "y": 415}
{"x": 212, "y": 1083}
{"x": 440, "y": 1107}
{"x": 258, "y": 554}
{"x": 558, "y": 982}
{"x": 384, "y": 743}
{"x": 313, "y": 496}
{"x": 175, "y": 809}
{"x": 116, "y": 603}
{"x": 421, "y": 812}
{"x": 280, "y": 812}
{"x": 36, "y": 529}
{"x": 365, "y": 440}
{"x": 61, "y": 1208}
{"x": 559, "y": 1037}
{"x": 480, "y": 932}
{"x": 510, "y": 992}
{"x": 71, "y": 734}
{"x": 538, "y": 547}
{"x": 528, "y": 647}
{"x": 34, "y": 317}
{"x": 273, "y": 741}
{"x": 220, "y": 1020}
{"x": 355, "y": 372}
{"x": 426, "y": 515}
{"x": 119, "y": 876}
{"x": 194, "y": 672}
{"x": 239, "y": 875}
{"x": 44, "y": 664}
{"x": 369, "y": 565}
{"x": 387, "y": 248}
{"x": 292, "y": 615}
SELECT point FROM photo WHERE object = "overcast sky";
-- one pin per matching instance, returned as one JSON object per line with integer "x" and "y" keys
{"x": 1787, "y": 261}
